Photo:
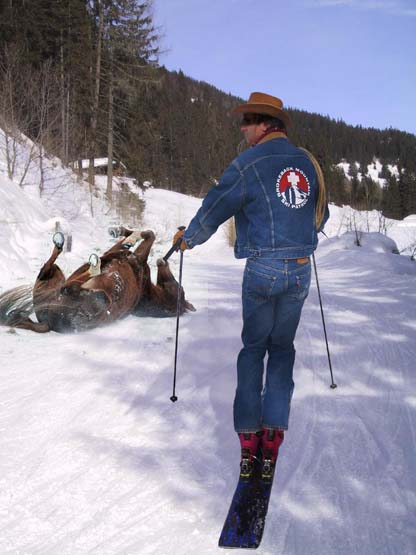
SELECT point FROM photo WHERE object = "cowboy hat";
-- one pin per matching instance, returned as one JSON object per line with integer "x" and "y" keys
{"x": 261, "y": 103}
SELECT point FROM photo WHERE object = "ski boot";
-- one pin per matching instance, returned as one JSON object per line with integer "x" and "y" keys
{"x": 270, "y": 443}
{"x": 249, "y": 444}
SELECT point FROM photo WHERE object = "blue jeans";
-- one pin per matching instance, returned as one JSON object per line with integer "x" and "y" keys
{"x": 273, "y": 295}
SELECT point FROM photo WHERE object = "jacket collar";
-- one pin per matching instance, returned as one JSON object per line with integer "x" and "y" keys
{"x": 274, "y": 135}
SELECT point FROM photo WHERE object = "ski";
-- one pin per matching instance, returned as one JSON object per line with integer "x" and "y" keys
{"x": 246, "y": 518}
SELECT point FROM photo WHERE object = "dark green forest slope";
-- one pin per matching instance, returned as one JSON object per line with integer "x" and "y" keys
{"x": 195, "y": 136}
{"x": 81, "y": 77}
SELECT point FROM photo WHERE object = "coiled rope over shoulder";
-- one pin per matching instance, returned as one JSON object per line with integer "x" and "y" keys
{"x": 321, "y": 202}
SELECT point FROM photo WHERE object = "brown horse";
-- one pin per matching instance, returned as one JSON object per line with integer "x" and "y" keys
{"x": 98, "y": 292}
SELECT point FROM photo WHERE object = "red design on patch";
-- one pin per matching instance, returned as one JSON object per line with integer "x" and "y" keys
{"x": 292, "y": 187}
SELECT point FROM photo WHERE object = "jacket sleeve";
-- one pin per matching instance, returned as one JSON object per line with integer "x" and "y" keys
{"x": 221, "y": 202}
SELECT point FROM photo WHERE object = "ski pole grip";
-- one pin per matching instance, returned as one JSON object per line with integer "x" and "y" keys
{"x": 175, "y": 246}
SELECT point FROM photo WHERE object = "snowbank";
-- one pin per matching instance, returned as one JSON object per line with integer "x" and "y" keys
{"x": 368, "y": 242}
{"x": 20, "y": 232}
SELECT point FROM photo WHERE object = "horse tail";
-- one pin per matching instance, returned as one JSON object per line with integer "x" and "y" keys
{"x": 16, "y": 302}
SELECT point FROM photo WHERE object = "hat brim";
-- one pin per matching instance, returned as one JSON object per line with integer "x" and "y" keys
{"x": 267, "y": 109}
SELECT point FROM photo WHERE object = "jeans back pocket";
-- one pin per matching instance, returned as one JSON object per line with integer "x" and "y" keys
{"x": 258, "y": 282}
{"x": 299, "y": 282}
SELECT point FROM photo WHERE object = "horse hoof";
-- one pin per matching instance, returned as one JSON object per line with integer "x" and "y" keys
{"x": 58, "y": 240}
{"x": 115, "y": 231}
{"x": 93, "y": 260}
{"x": 148, "y": 234}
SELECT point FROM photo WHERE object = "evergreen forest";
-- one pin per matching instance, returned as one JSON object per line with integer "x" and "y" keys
{"x": 82, "y": 79}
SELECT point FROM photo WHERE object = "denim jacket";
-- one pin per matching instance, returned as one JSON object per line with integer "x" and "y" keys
{"x": 272, "y": 190}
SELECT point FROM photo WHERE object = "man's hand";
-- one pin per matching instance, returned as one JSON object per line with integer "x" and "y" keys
{"x": 178, "y": 235}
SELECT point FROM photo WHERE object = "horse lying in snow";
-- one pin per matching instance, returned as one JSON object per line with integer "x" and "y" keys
{"x": 99, "y": 292}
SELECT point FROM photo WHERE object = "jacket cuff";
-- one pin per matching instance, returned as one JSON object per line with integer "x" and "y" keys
{"x": 189, "y": 243}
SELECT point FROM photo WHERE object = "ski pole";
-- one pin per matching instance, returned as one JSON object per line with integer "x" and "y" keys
{"x": 333, "y": 384}
{"x": 178, "y": 310}
{"x": 174, "y": 248}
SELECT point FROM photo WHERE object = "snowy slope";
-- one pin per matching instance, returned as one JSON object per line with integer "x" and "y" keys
{"x": 373, "y": 171}
{"x": 28, "y": 218}
{"x": 95, "y": 459}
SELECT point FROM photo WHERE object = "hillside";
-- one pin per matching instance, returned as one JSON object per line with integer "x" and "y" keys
{"x": 197, "y": 137}
{"x": 85, "y": 86}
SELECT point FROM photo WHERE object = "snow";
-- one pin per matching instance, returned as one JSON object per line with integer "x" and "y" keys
{"x": 345, "y": 168}
{"x": 373, "y": 171}
{"x": 409, "y": 221}
{"x": 98, "y": 163}
{"x": 96, "y": 459}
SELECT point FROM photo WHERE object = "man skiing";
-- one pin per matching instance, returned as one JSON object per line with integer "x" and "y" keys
{"x": 276, "y": 193}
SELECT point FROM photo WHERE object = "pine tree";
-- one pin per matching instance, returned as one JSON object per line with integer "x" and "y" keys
{"x": 391, "y": 202}
{"x": 131, "y": 55}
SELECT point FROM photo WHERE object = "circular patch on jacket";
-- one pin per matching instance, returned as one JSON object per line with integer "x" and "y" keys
{"x": 292, "y": 187}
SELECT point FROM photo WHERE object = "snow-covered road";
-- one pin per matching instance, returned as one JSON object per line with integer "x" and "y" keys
{"x": 96, "y": 459}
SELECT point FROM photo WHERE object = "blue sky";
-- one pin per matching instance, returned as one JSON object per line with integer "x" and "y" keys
{"x": 349, "y": 59}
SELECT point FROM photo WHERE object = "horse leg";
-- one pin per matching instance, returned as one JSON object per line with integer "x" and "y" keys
{"x": 143, "y": 250}
{"x": 138, "y": 261}
{"x": 167, "y": 283}
{"x": 49, "y": 269}
{"x": 164, "y": 275}
{"x": 118, "y": 231}
{"x": 130, "y": 239}
{"x": 49, "y": 279}
{"x": 115, "y": 248}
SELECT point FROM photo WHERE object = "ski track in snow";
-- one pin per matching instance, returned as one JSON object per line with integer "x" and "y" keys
{"x": 95, "y": 459}
{"x": 351, "y": 489}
